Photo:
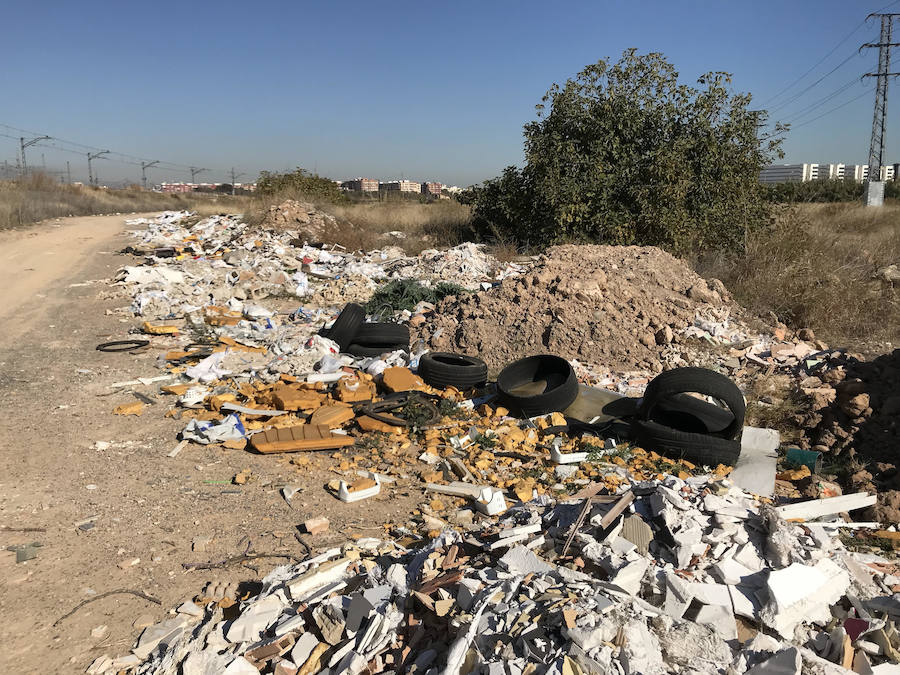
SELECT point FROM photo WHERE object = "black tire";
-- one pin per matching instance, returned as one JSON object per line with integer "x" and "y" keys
{"x": 122, "y": 345}
{"x": 382, "y": 334}
{"x": 560, "y": 390}
{"x": 664, "y": 390}
{"x": 345, "y": 325}
{"x": 373, "y": 350}
{"x": 697, "y": 448}
{"x": 445, "y": 369}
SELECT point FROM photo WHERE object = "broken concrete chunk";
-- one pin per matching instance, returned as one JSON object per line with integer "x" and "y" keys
{"x": 786, "y": 662}
{"x": 522, "y": 561}
{"x": 258, "y": 616}
{"x": 800, "y": 593}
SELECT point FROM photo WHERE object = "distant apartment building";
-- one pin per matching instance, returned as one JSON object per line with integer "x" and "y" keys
{"x": 190, "y": 187}
{"x": 402, "y": 186}
{"x": 361, "y": 185}
{"x": 433, "y": 189}
{"x": 791, "y": 173}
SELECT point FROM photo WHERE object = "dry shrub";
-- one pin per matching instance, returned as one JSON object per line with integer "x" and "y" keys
{"x": 39, "y": 197}
{"x": 817, "y": 267}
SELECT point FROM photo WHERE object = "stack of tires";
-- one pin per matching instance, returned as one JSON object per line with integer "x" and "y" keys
{"x": 358, "y": 338}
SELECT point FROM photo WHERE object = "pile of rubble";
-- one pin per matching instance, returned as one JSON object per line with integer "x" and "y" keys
{"x": 537, "y": 552}
{"x": 622, "y": 306}
{"x": 672, "y": 576}
{"x": 301, "y": 217}
{"x": 221, "y": 259}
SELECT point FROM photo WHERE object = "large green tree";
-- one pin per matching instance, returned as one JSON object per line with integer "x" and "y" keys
{"x": 625, "y": 154}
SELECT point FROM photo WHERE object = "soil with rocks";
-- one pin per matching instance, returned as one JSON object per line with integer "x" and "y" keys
{"x": 615, "y": 306}
{"x": 301, "y": 216}
{"x": 853, "y": 406}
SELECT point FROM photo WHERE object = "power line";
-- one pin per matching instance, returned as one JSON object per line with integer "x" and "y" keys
{"x": 818, "y": 103}
{"x": 835, "y": 109}
{"x": 862, "y": 23}
{"x": 81, "y": 149}
{"x": 799, "y": 94}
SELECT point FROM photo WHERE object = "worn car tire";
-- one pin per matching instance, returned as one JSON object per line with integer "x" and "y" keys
{"x": 345, "y": 326}
{"x": 665, "y": 390}
{"x": 560, "y": 390}
{"x": 672, "y": 423}
{"x": 697, "y": 448}
{"x": 445, "y": 369}
{"x": 382, "y": 334}
{"x": 356, "y": 349}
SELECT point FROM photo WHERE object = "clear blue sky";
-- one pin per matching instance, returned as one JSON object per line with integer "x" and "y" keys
{"x": 421, "y": 90}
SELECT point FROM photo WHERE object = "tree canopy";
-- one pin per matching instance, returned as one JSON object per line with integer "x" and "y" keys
{"x": 625, "y": 154}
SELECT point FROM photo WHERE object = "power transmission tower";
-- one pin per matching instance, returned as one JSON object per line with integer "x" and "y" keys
{"x": 91, "y": 156}
{"x": 24, "y": 144}
{"x": 194, "y": 172}
{"x": 234, "y": 177}
{"x": 68, "y": 173}
{"x": 144, "y": 167}
{"x": 874, "y": 195}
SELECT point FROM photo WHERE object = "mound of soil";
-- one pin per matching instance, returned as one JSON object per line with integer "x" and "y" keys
{"x": 612, "y": 306}
{"x": 300, "y": 216}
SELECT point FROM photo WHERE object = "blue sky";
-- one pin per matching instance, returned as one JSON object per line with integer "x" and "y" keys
{"x": 390, "y": 90}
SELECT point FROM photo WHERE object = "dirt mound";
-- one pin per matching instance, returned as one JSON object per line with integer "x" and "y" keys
{"x": 854, "y": 408}
{"x": 614, "y": 306}
{"x": 300, "y": 216}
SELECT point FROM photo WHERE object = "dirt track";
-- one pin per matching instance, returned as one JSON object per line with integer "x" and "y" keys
{"x": 55, "y": 403}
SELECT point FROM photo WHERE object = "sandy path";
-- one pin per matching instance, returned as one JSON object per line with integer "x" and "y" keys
{"x": 146, "y": 509}
{"x": 42, "y": 259}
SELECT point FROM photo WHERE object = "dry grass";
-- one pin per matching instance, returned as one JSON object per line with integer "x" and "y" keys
{"x": 365, "y": 225}
{"x": 39, "y": 197}
{"x": 817, "y": 267}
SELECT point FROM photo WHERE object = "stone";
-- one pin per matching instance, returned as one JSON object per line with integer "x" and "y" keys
{"x": 786, "y": 662}
{"x": 330, "y": 621}
{"x": 190, "y": 609}
{"x": 521, "y": 561}
{"x": 249, "y": 626}
{"x": 200, "y": 544}
{"x": 855, "y": 406}
{"x": 628, "y": 577}
{"x": 720, "y": 619}
{"x": 316, "y": 525}
{"x": 801, "y": 593}
{"x": 100, "y": 632}
{"x": 466, "y": 593}
{"x": 303, "y": 647}
{"x": 162, "y": 633}
{"x": 664, "y": 335}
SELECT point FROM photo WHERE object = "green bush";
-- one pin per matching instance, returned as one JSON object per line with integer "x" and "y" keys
{"x": 624, "y": 154}
{"x": 824, "y": 190}
{"x": 403, "y": 294}
{"x": 302, "y": 182}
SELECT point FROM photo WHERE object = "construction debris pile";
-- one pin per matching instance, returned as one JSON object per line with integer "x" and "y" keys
{"x": 653, "y": 565}
{"x": 672, "y": 576}
{"x": 211, "y": 261}
{"x": 626, "y": 307}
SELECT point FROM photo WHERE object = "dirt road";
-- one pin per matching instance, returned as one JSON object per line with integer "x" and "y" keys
{"x": 68, "y": 461}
